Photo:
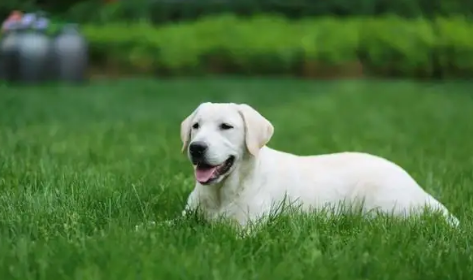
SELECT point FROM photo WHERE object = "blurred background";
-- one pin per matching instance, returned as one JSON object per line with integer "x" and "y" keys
{"x": 305, "y": 38}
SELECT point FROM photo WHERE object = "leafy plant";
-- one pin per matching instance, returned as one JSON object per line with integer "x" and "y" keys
{"x": 388, "y": 46}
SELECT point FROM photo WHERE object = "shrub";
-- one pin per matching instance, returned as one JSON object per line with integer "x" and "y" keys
{"x": 258, "y": 45}
{"x": 396, "y": 47}
{"x": 454, "y": 47}
{"x": 321, "y": 47}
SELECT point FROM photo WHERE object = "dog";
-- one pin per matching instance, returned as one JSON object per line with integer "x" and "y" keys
{"x": 238, "y": 177}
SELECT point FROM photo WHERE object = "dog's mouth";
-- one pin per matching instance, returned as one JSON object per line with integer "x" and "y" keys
{"x": 206, "y": 174}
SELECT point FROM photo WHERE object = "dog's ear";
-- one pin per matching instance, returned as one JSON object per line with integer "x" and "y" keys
{"x": 258, "y": 130}
{"x": 186, "y": 129}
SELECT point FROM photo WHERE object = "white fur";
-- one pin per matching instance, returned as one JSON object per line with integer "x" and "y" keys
{"x": 262, "y": 178}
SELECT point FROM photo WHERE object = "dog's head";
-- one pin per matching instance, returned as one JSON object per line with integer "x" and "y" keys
{"x": 218, "y": 136}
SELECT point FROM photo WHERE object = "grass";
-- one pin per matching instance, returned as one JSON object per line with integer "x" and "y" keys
{"x": 80, "y": 167}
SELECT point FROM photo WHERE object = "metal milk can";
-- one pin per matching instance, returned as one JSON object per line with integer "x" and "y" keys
{"x": 34, "y": 51}
{"x": 71, "y": 54}
{"x": 9, "y": 46}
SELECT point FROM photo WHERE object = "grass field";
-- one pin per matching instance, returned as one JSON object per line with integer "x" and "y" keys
{"x": 80, "y": 167}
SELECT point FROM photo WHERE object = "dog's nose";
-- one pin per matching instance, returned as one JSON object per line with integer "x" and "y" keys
{"x": 197, "y": 149}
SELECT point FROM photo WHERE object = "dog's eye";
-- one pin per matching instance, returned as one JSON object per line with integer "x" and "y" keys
{"x": 225, "y": 126}
{"x": 195, "y": 126}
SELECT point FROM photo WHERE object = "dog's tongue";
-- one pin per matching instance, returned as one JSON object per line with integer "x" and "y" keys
{"x": 204, "y": 174}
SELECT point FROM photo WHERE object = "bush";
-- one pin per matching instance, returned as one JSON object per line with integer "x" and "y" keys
{"x": 322, "y": 47}
{"x": 454, "y": 47}
{"x": 260, "y": 45}
{"x": 396, "y": 47}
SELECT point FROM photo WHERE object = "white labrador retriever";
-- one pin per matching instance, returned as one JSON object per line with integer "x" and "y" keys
{"x": 240, "y": 178}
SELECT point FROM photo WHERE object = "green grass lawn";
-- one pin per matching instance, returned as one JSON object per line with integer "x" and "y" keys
{"x": 80, "y": 167}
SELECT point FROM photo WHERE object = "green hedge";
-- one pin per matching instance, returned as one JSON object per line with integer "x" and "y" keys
{"x": 272, "y": 45}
